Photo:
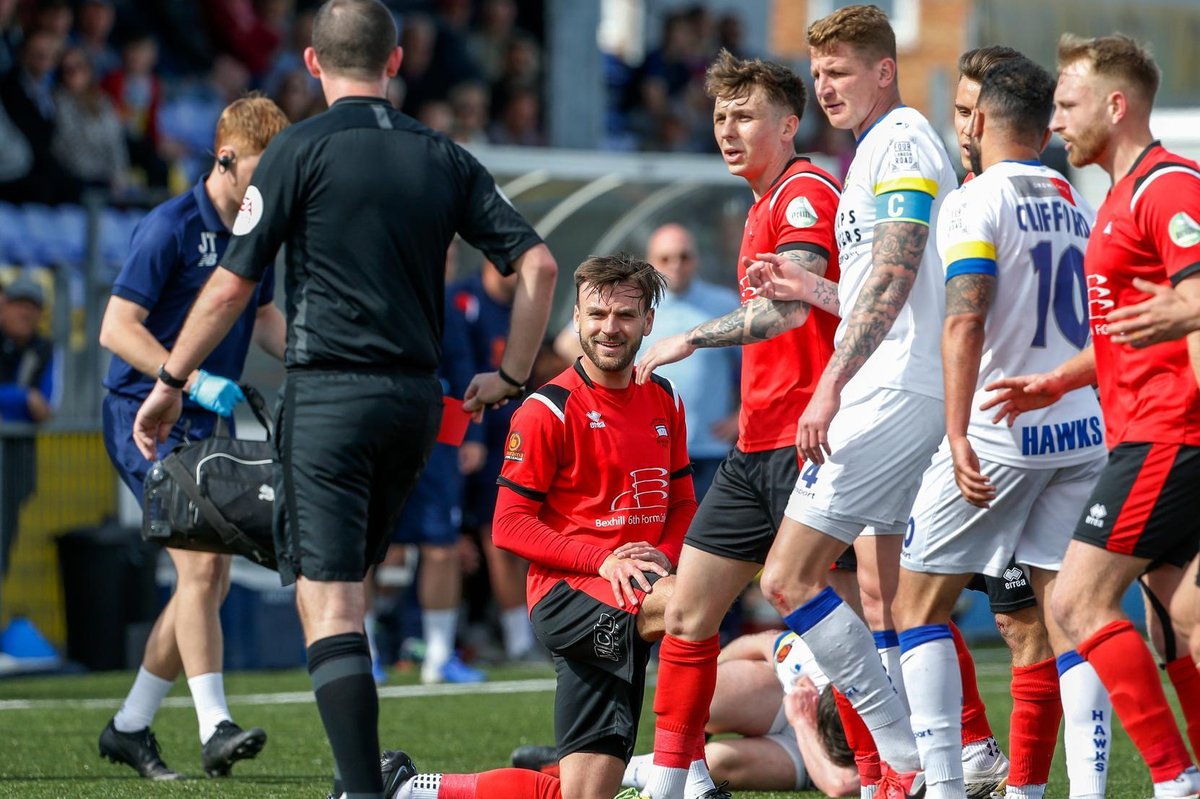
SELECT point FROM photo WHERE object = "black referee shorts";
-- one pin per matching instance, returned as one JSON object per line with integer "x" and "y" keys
{"x": 350, "y": 448}
{"x": 600, "y": 661}
{"x": 741, "y": 512}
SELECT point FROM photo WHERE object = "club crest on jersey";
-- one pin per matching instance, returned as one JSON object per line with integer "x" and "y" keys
{"x": 513, "y": 448}
{"x": 1183, "y": 230}
{"x": 661, "y": 432}
{"x": 800, "y": 213}
{"x": 250, "y": 212}
{"x": 596, "y": 421}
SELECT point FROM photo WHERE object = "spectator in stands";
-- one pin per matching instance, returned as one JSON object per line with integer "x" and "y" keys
{"x": 137, "y": 94}
{"x": 290, "y": 57}
{"x": 295, "y": 94}
{"x": 16, "y": 156}
{"x": 488, "y": 43}
{"x": 93, "y": 27}
{"x": 470, "y": 102}
{"x": 89, "y": 140}
{"x": 436, "y": 115}
{"x": 435, "y": 61}
{"x": 518, "y": 124}
{"x": 27, "y": 364}
{"x": 10, "y": 36}
{"x": 28, "y": 97}
{"x": 521, "y": 71}
{"x": 238, "y": 28}
{"x": 55, "y": 16}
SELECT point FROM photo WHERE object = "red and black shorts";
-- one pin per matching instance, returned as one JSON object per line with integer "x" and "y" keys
{"x": 1146, "y": 504}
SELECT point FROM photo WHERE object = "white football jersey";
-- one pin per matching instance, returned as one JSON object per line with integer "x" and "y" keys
{"x": 900, "y": 152}
{"x": 793, "y": 660}
{"x": 1024, "y": 223}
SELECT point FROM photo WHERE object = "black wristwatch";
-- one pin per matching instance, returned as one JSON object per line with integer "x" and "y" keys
{"x": 168, "y": 379}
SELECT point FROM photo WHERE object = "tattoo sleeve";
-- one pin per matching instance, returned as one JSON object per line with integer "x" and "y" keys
{"x": 759, "y": 319}
{"x": 896, "y": 257}
{"x": 970, "y": 294}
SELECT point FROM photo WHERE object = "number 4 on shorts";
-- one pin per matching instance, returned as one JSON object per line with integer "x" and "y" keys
{"x": 810, "y": 474}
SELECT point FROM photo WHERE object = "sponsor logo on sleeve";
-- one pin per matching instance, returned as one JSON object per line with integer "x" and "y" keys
{"x": 800, "y": 213}
{"x": 250, "y": 212}
{"x": 1183, "y": 230}
{"x": 903, "y": 155}
{"x": 513, "y": 449}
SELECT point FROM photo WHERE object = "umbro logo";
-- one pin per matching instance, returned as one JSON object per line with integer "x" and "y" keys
{"x": 1096, "y": 515}
{"x": 596, "y": 421}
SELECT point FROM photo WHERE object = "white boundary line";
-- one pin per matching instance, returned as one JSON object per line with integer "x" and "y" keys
{"x": 303, "y": 697}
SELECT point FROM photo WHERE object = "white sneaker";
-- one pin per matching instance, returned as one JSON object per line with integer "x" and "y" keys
{"x": 1185, "y": 786}
{"x": 984, "y": 772}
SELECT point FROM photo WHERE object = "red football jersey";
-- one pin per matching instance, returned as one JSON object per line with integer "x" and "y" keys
{"x": 587, "y": 469}
{"x": 779, "y": 375}
{"x": 1148, "y": 227}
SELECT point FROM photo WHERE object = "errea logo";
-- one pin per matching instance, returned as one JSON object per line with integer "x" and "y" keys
{"x": 266, "y": 493}
{"x": 1013, "y": 577}
{"x": 1096, "y": 515}
{"x": 596, "y": 421}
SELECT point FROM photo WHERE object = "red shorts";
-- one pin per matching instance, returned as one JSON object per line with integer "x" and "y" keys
{"x": 1146, "y": 504}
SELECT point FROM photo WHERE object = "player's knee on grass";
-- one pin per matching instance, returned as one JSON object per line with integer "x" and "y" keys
{"x": 1025, "y": 636}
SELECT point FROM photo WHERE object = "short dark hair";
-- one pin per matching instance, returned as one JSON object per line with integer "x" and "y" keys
{"x": 974, "y": 64}
{"x": 732, "y": 78}
{"x": 354, "y": 38}
{"x": 1117, "y": 56}
{"x": 1018, "y": 94}
{"x": 608, "y": 271}
{"x": 830, "y": 732}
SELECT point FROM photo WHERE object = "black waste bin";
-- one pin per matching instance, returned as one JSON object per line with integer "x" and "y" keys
{"x": 108, "y": 586}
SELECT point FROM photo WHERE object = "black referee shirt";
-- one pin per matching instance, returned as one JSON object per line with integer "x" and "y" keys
{"x": 367, "y": 201}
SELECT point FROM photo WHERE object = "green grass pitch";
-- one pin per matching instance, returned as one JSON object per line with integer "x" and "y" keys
{"x": 49, "y": 749}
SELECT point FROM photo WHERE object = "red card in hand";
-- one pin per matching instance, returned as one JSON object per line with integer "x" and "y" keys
{"x": 454, "y": 422}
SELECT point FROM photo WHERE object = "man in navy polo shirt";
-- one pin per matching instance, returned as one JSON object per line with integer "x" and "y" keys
{"x": 173, "y": 252}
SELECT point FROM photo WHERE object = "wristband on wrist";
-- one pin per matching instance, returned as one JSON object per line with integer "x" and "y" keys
{"x": 168, "y": 379}
{"x": 507, "y": 378}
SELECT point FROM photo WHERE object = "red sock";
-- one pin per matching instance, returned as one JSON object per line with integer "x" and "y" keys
{"x": 859, "y": 739}
{"x": 1186, "y": 680}
{"x": 503, "y": 783}
{"x": 687, "y": 677}
{"x": 1036, "y": 714}
{"x": 1121, "y": 659}
{"x": 975, "y": 725}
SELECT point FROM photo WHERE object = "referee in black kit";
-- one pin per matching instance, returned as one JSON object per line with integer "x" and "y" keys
{"x": 366, "y": 201}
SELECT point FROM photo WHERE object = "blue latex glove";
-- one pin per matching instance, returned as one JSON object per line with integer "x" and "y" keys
{"x": 215, "y": 393}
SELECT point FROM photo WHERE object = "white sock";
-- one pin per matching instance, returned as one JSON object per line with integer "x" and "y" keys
{"x": 422, "y": 786}
{"x": 1025, "y": 792}
{"x": 980, "y": 755}
{"x": 139, "y": 707}
{"x": 845, "y": 651}
{"x": 1087, "y": 725}
{"x": 931, "y": 670}
{"x": 208, "y": 695}
{"x": 887, "y": 644}
{"x": 666, "y": 782}
{"x": 440, "y": 626}
{"x": 637, "y": 771}
{"x": 518, "y": 634}
{"x": 699, "y": 781}
{"x": 867, "y": 792}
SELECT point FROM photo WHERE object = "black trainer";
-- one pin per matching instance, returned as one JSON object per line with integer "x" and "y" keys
{"x": 719, "y": 792}
{"x": 139, "y": 750}
{"x": 534, "y": 758}
{"x": 397, "y": 768}
{"x": 229, "y": 744}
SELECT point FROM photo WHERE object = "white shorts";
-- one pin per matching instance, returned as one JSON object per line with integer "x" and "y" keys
{"x": 782, "y": 735}
{"x": 881, "y": 445}
{"x": 1031, "y": 519}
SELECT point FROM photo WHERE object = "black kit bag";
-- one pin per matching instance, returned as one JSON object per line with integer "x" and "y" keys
{"x": 216, "y": 495}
